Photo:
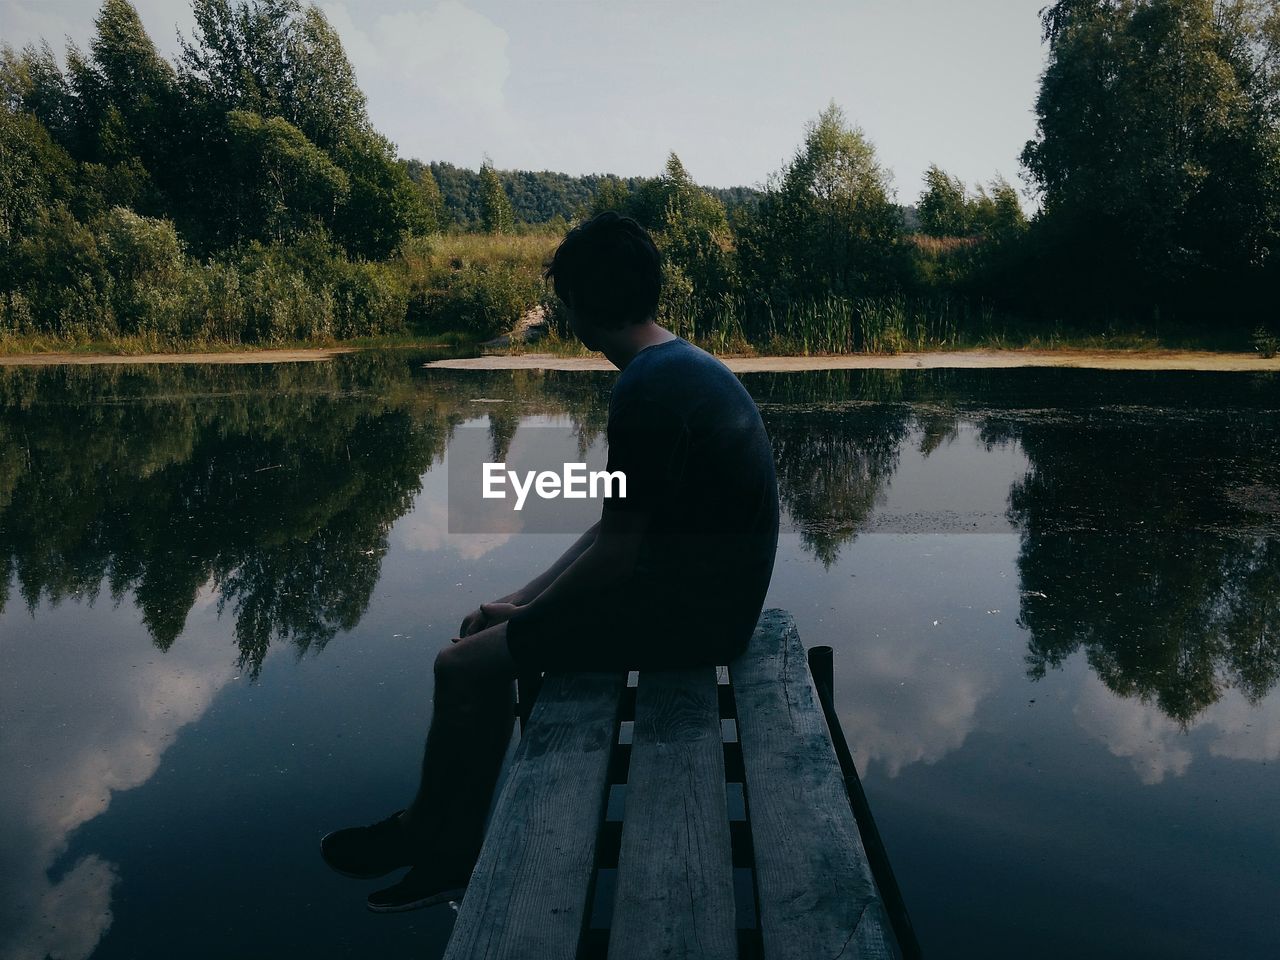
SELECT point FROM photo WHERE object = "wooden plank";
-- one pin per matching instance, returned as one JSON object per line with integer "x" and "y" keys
{"x": 675, "y": 870}
{"x": 528, "y": 893}
{"x": 817, "y": 897}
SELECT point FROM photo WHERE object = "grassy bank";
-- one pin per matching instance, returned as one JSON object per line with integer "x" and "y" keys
{"x": 144, "y": 293}
{"x": 1120, "y": 343}
{"x": 36, "y": 345}
{"x": 460, "y": 289}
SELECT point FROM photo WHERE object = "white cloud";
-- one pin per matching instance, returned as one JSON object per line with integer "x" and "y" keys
{"x": 72, "y": 916}
{"x": 1153, "y": 744}
{"x": 1157, "y": 747}
{"x": 426, "y": 530}
{"x": 908, "y": 705}
{"x": 1246, "y": 732}
{"x": 83, "y": 721}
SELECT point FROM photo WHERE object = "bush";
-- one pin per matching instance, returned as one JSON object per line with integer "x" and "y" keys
{"x": 482, "y": 300}
{"x": 280, "y": 303}
{"x": 15, "y": 314}
{"x": 215, "y": 304}
{"x": 1265, "y": 342}
{"x": 478, "y": 285}
{"x": 62, "y": 278}
{"x": 149, "y": 275}
{"x": 370, "y": 299}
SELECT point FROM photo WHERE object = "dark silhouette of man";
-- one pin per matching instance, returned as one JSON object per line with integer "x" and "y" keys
{"x": 672, "y": 575}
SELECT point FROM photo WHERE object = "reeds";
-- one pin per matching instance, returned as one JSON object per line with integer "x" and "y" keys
{"x": 885, "y": 324}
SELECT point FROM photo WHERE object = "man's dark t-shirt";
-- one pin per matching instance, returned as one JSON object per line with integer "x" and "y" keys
{"x": 697, "y": 459}
{"x": 690, "y": 441}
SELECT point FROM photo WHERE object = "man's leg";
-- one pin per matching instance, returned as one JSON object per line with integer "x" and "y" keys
{"x": 441, "y": 833}
{"x": 468, "y": 738}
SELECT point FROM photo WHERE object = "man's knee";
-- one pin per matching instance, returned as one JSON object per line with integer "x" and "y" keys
{"x": 469, "y": 674}
{"x": 452, "y": 667}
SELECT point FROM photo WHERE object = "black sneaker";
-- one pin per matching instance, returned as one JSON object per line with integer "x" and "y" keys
{"x": 423, "y": 886}
{"x": 367, "y": 852}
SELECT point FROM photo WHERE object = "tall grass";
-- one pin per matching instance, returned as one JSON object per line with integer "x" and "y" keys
{"x": 716, "y": 326}
{"x": 473, "y": 283}
{"x": 147, "y": 294}
{"x": 887, "y": 324}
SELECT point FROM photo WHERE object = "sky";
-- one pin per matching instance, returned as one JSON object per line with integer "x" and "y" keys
{"x": 596, "y": 86}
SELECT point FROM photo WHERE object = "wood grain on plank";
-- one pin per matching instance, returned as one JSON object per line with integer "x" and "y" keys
{"x": 528, "y": 893}
{"x": 817, "y": 898}
{"x": 675, "y": 871}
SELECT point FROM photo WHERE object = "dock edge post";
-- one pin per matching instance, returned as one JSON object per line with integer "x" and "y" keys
{"x": 822, "y": 669}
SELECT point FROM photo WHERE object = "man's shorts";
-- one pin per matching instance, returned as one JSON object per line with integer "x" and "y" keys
{"x": 614, "y": 633}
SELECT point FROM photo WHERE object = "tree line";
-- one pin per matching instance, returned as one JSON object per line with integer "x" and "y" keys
{"x": 538, "y": 198}
{"x": 241, "y": 194}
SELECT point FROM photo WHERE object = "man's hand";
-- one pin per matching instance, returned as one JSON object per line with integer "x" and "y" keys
{"x": 499, "y": 611}
{"x": 473, "y": 622}
{"x": 487, "y": 615}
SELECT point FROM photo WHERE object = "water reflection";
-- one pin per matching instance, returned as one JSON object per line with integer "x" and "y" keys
{"x": 1148, "y": 523}
{"x": 261, "y": 482}
{"x": 277, "y": 485}
{"x": 1135, "y": 582}
{"x": 84, "y": 721}
{"x": 1151, "y": 542}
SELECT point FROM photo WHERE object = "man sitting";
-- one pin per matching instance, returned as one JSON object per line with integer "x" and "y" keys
{"x": 672, "y": 575}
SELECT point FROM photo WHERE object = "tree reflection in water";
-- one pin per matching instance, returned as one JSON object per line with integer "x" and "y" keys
{"x": 276, "y": 485}
{"x": 1150, "y": 540}
{"x": 1149, "y": 517}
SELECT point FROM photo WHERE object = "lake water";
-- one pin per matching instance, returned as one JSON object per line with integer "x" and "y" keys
{"x": 1054, "y": 597}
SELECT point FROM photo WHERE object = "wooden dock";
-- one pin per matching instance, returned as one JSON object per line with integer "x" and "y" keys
{"x": 697, "y": 813}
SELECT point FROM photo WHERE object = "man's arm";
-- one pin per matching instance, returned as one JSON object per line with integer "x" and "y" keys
{"x": 609, "y": 559}
{"x": 533, "y": 589}
{"x": 478, "y": 620}
{"x": 647, "y": 443}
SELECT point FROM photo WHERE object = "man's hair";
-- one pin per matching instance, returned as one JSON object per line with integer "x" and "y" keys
{"x": 608, "y": 271}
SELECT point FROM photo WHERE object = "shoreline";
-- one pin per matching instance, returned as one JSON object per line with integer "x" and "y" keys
{"x": 1189, "y": 360}
{"x": 1201, "y": 360}
{"x": 299, "y": 355}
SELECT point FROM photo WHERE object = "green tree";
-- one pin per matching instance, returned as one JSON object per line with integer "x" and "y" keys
{"x": 827, "y": 224}
{"x": 125, "y": 98}
{"x": 33, "y": 82}
{"x": 384, "y": 205}
{"x": 275, "y": 59}
{"x": 35, "y": 173}
{"x": 997, "y": 211}
{"x": 496, "y": 214}
{"x": 429, "y": 199}
{"x": 327, "y": 101}
{"x": 944, "y": 208}
{"x": 692, "y": 233}
{"x": 1156, "y": 155}
{"x": 947, "y": 209}
{"x": 238, "y": 56}
{"x": 288, "y": 183}
{"x": 685, "y": 202}
{"x": 613, "y": 195}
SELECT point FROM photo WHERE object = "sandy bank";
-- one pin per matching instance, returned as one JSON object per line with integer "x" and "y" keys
{"x": 1091, "y": 359}
{"x": 977, "y": 359}
{"x": 231, "y": 356}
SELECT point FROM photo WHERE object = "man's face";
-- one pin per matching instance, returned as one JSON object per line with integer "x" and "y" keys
{"x": 582, "y": 330}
